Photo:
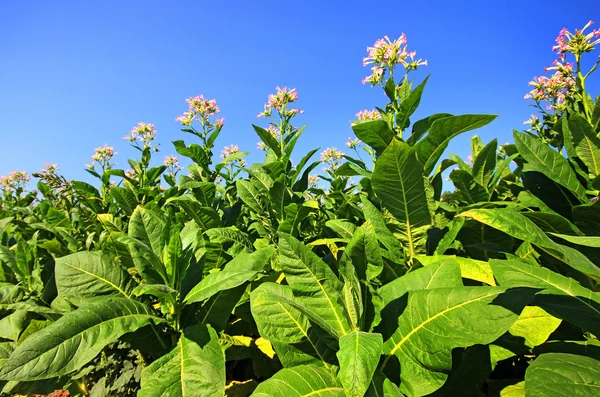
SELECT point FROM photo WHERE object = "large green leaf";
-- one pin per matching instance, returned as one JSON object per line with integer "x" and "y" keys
{"x": 249, "y": 195}
{"x": 561, "y": 296}
{"x": 485, "y": 164}
{"x": 75, "y": 339}
{"x": 438, "y": 320}
{"x": 358, "y": 356}
{"x": 218, "y": 281}
{"x": 468, "y": 189}
{"x": 301, "y": 381}
{"x": 586, "y": 143}
{"x": 430, "y": 149}
{"x": 541, "y": 158}
{"x": 85, "y": 275}
{"x": 374, "y": 133}
{"x": 194, "y": 368}
{"x": 534, "y": 325}
{"x": 519, "y": 226}
{"x": 562, "y": 375}
{"x": 365, "y": 253}
{"x": 149, "y": 228}
{"x": 422, "y": 126}
{"x": 315, "y": 285}
{"x": 398, "y": 182}
{"x": 294, "y": 338}
{"x": 469, "y": 268}
{"x": 409, "y": 105}
{"x": 205, "y": 217}
{"x": 384, "y": 235}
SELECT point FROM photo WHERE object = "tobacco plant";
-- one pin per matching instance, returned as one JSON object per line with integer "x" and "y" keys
{"x": 368, "y": 279}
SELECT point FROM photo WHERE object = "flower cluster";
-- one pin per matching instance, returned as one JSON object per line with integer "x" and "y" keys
{"x": 279, "y": 102}
{"x": 352, "y": 143}
{"x": 386, "y": 54}
{"x": 228, "y": 151}
{"x": 555, "y": 88}
{"x": 144, "y": 133}
{"x": 200, "y": 109}
{"x": 172, "y": 164}
{"x": 13, "y": 182}
{"x": 576, "y": 43}
{"x": 313, "y": 180}
{"x": 332, "y": 158}
{"x": 368, "y": 115}
{"x": 103, "y": 156}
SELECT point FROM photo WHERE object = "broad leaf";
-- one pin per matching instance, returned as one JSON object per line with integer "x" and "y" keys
{"x": 358, "y": 356}
{"x": 86, "y": 275}
{"x": 586, "y": 142}
{"x": 374, "y": 133}
{"x": 430, "y": 149}
{"x": 294, "y": 338}
{"x": 561, "y": 296}
{"x": 194, "y": 368}
{"x": 541, "y": 158}
{"x": 560, "y": 374}
{"x": 301, "y": 381}
{"x": 216, "y": 282}
{"x": 485, "y": 164}
{"x": 438, "y": 320}
{"x": 75, "y": 339}
{"x": 398, "y": 182}
{"x": 518, "y": 226}
{"x": 314, "y": 284}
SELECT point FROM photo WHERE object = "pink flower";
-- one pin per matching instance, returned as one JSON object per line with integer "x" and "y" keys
{"x": 199, "y": 109}
{"x": 368, "y": 115}
{"x": 219, "y": 122}
{"x": 279, "y": 102}
{"x": 143, "y": 132}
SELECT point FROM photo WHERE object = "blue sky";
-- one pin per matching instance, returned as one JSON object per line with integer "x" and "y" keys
{"x": 75, "y": 75}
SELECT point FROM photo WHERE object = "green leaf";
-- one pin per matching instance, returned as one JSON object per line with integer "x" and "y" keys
{"x": 75, "y": 339}
{"x": 541, "y": 158}
{"x": 518, "y": 226}
{"x": 149, "y": 228}
{"x": 485, "y": 164}
{"x": 375, "y": 133}
{"x": 586, "y": 142}
{"x": 409, "y": 105}
{"x": 561, "y": 296}
{"x": 534, "y": 325}
{"x": 586, "y": 241}
{"x": 453, "y": 228}
{"x": 147, "y": 264}
{"x": 85, "y": 275}
{"x": 438, "y": 320}
{"x": 216, "y": 282}
{"x": 194, "y": 368}
{"x": 467, "y": 188}
{"x": 398, "y": 182}
{"x": 300, "y": 381}
{"x": 344, "y": 228}
{"x": 365, "y": 253}
{"x": 124, "y": 198}
{"x": 516, "y": 390}
{"x": 314, "y": 284}
{"x": 423, "y": 126}
{"x": 560, "y": 374}
{"x": 194, "y": 152}
{"x": 249, "y": 195}
{"x": 384, "y": 235}
{"x": 268, "y": 139}
{"x": 358, "y": 356}
{"x": 205, "y": 217}
{"x": 469, "y": 268}
{"x": 430, "y": 149}
{"x": 294, "y": 338}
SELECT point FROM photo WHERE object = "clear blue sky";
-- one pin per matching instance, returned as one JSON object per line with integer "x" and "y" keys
{"x": 78, "y": 74}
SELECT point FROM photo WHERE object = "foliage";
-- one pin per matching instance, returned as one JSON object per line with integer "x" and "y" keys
{"x": 366, "y": 280}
